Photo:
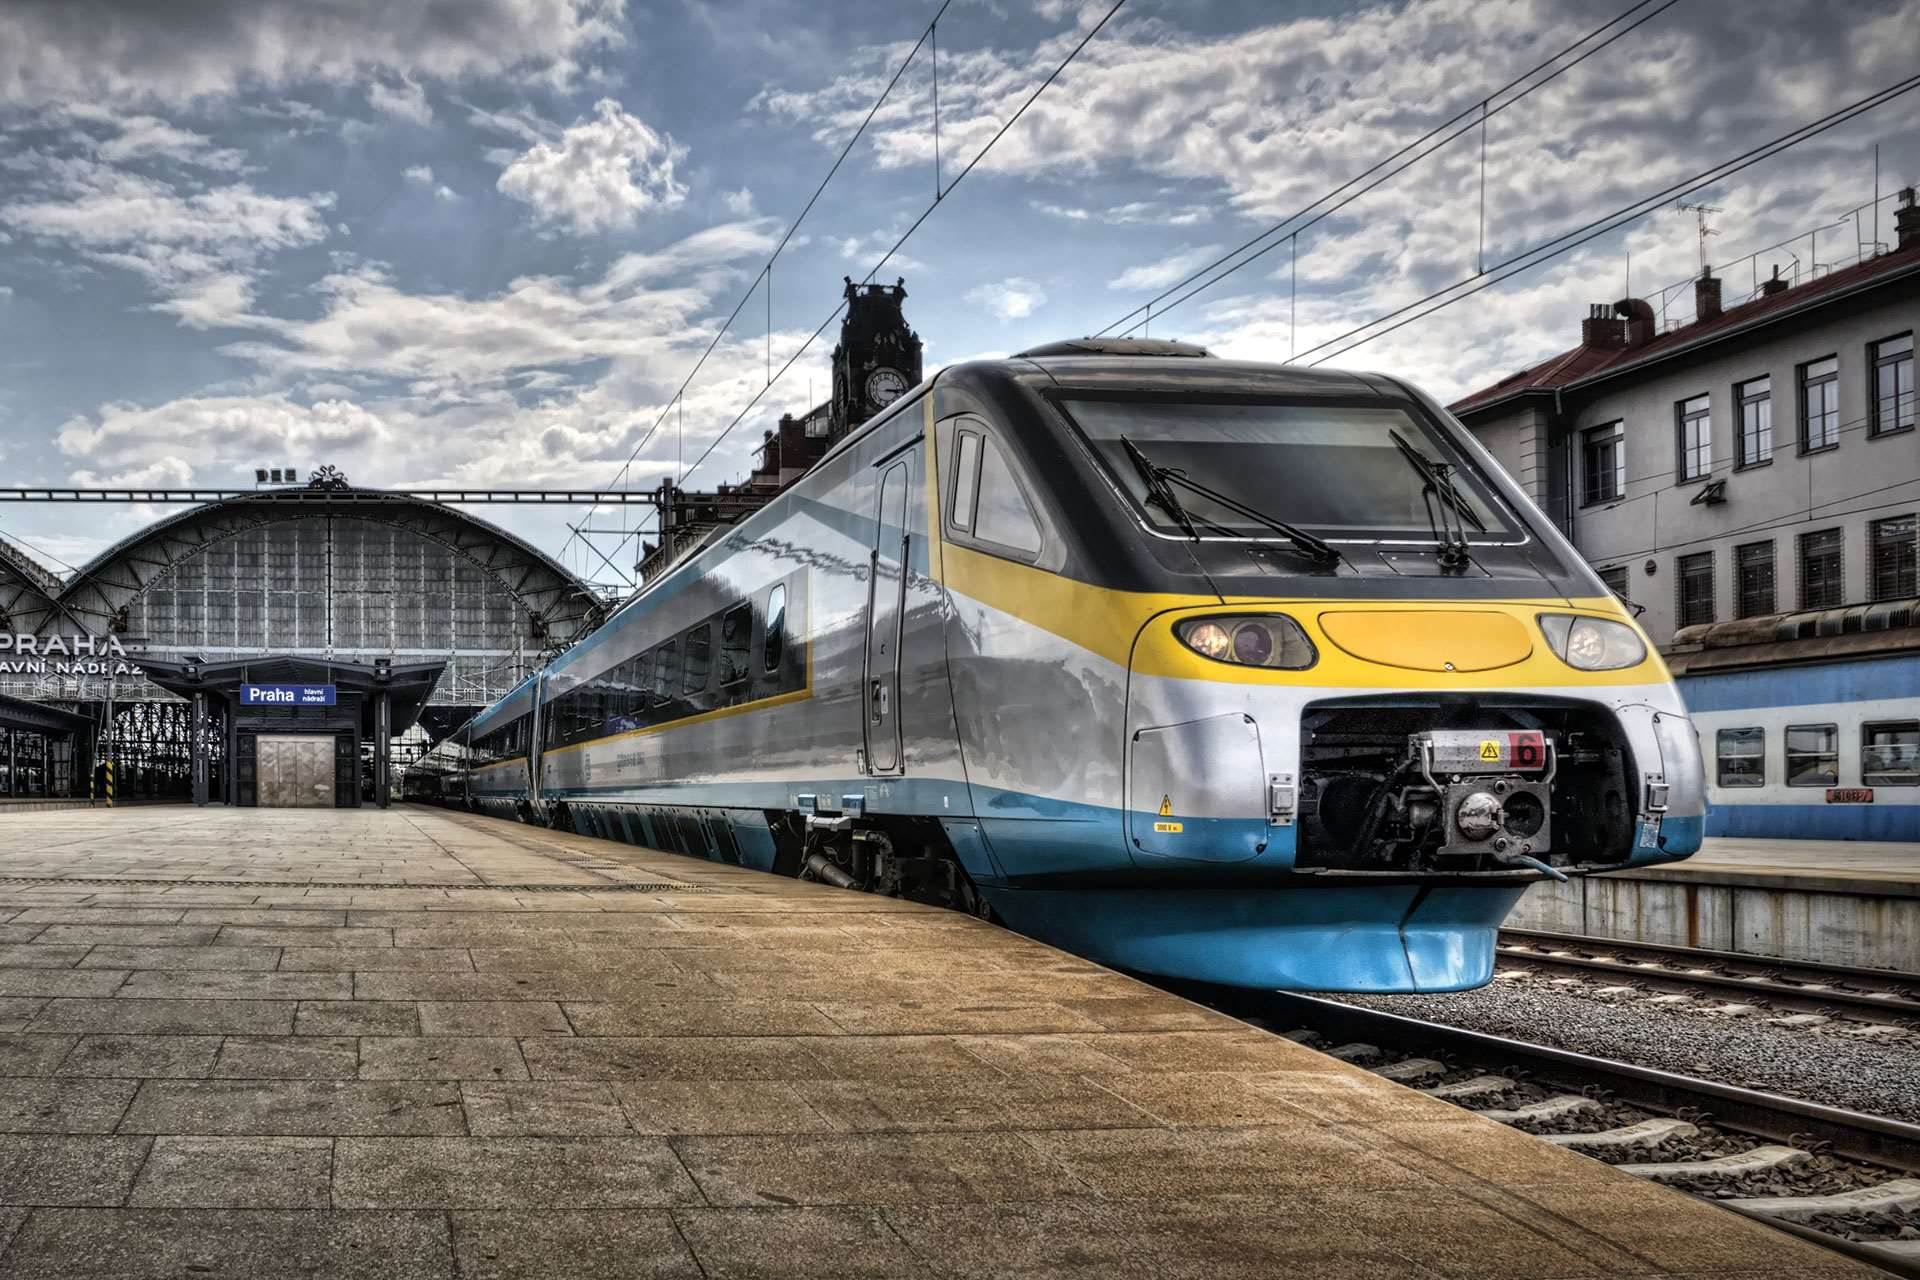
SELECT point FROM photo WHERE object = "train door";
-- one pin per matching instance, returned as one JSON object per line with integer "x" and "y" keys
{"x": 886, "y": 594}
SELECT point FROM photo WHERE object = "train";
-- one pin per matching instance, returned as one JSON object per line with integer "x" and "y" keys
{"x": 1810, "y": 721}
{"x": 1205, "y": 669}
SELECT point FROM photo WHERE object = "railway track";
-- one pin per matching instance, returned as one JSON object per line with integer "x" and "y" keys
{"x": 1872, "y": 997}
{"x": 1848, "y": 1181}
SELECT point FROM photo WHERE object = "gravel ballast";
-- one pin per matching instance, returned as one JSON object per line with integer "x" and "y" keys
{"x": 1879, "y": 1079}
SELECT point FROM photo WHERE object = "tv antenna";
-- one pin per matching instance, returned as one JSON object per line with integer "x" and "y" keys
{"x": 1700, "y": 212}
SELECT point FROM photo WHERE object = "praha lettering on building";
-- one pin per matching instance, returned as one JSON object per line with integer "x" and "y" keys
{"x": 69, "y": 655}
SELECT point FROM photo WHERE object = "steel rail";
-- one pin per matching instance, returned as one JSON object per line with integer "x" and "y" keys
{"x": 1785, "y": 982}
{"x": 1871, "y": 1139}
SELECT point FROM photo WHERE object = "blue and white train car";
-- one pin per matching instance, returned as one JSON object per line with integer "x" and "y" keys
{"x": 1810, "y": 722}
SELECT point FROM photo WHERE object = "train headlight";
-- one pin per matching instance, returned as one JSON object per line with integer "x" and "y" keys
{"x": 1251, "y": 640}
{"x": 1592, "y": 644}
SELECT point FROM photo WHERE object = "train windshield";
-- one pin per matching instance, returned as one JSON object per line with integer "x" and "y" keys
{"x": 1328, "y": 467}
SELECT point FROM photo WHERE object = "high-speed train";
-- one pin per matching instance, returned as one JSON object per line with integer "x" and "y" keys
{"x": 1225, "y": 671}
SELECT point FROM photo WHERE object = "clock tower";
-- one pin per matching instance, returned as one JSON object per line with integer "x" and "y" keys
{"x": 878, "y": 356}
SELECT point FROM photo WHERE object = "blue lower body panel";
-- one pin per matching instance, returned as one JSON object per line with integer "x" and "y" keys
{"x": 1394, "y": 938}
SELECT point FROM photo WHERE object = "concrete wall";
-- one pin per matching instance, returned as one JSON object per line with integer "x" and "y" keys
{"x": 1518, "y": 440}
{"x": 1655, "y": 519}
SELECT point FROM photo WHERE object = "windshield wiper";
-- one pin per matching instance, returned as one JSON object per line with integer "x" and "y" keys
{"x": 1160, "y": 481}
{"x": 1448, "y": 522}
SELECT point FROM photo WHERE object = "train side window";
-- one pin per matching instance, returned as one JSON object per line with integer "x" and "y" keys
{"x": 966, "y": 479}
{"x": 1890, "y": 753}
{"x": 699, "y": 647}
{"x": 666, "y": 671}
{"x": 736, "y": 639}
{"x": 1003, "y": 514}
{"x": 776, "y": 638}
{"x": 1742, "y": 757}
{"x": 1813, "y": 755}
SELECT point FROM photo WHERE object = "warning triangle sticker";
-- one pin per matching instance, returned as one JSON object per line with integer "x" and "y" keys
{"x": 1166, "y": 806}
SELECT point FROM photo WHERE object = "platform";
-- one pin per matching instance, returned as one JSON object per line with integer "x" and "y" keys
{"x": 1853, "y": 902}
{"x": 250, "y": 1043}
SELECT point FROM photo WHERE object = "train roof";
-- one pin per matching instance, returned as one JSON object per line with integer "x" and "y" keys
{"x": 1095, "y": 364}
{"x": 1884, "y": 629}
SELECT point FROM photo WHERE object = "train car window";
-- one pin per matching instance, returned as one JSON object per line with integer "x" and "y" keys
{"x": 1890, "y": 754}
{"x": 1813, "y": 755}
{"x": 736, "y": 640}
{"x": 966, "y": 479}
{"x": 1333, "y": 468}
{"x": 666, "y": 671}
{"x": 643, "y": 679}
{"x": 776, "y": 637}
{"x": 1742, "y": 757}
{"x": 1004, "y": 515}
{"x": 699, "y": 650}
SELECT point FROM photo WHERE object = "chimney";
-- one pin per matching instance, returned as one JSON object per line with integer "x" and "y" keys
{"x": 1602, "y": 329}
{"x": 1907, "y": 221}
{"x": 1773, "y": 285}
{"x": 1639, "y": 317}
{"x": 1706, "y": 297}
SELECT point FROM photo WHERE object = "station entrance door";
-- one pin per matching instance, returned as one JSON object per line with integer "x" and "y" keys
{"x": 295, "y": 771}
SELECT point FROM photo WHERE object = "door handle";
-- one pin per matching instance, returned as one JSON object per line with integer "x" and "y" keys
{"x": 877, "y": 700}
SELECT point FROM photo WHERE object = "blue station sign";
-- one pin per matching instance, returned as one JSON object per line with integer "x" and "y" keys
{"x": 287, "y": 695}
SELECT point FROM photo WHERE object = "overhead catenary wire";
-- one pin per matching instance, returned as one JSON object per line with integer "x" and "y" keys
{"x": 767, "y": 269}
{"x": 1568, "y": 241}
{"x": 1475, "y": 116}
{"x": 925, "y": 213}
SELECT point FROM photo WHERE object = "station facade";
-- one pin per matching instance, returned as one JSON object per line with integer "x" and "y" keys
{"x": 405, "y": 612}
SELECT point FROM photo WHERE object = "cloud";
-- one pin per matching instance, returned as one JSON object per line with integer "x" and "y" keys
{"x": 739, "y": 203}
{"x": 144, "y": 137}
{"x": 144, "y": 442}
{"x": 1134, "y": 213}
{"x": 1178, "y": 265}
{"x": 599, "y": 175}
{"x": 421, "y": 173}
{"x": 119, "y": 51}
{"x": 406, "y": 100}
{"x": 1014, "y": 298}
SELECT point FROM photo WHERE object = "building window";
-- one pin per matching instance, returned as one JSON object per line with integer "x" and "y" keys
{"x": 1755, "y": 399}
{"x": 1742, "y": 757}
{"x": 1753, "y": 579}
{"x": 1603, "y": 455}
{"x": 1695, "y": 419}
{"x": 1890, "y": 566}
{"x": 1890, "y": 754}
{"x": 1820, "y": 404}
{"x": 1892, "y": 388}
{"x": 1696, "y": 588}
{"x": 1813, "y": 755}
{"x": 1822, "y": 570}
{"x": 1616, "y": 579}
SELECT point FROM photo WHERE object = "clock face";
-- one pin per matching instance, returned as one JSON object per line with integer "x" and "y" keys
{"x": 884, "y": 386}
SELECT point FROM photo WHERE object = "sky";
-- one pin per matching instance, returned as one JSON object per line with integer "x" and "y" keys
{"x": 484, "y": 243}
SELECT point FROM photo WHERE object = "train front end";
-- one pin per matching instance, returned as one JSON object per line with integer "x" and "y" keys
{"x": 1385, "y": 698}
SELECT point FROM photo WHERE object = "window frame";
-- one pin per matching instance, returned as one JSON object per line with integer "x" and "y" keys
{"x": 746, "y": 665}
{"x": 773, "y": 638}
{"x": 705, "y": 631}
{"x": 1911, "y": 569}
{"x": 1867, "y": 727}
{"x": 1720, "y": 757}
{"x": 1832, "y": 730}
{"x": 1743, "y": 399}
{"x": 1803, "y": 385}
{"x": 1875, "y": 361}
{"x": 963, "y": 424}
{"x": 1740, "y": 609}
{"x": 1839, "y": 561}
{"x": 1680, "y": 565}
{"x": 1617, "y": 484}
{"x": 667, "y": 669}
{"x": 1693, "y": 411}
{"x": 969, "y": 475}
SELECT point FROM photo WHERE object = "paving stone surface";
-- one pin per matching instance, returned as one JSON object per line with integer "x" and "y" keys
{"x": 420, "y": 1044}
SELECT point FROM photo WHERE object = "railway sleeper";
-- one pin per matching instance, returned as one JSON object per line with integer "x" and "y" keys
{"x": 1903, "y": 1193}
{"x": 1477, "y": 1087}
{"x": 1554, "y": 1108}
{"x": 1411, "y": 1069}
{"x": 1645, "y": 1133}
{"x": 1757, "y": 1160}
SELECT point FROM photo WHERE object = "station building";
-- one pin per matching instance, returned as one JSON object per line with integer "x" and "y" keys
{"x": 1758, "y": 459}
{"x": 270, "y": 648}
